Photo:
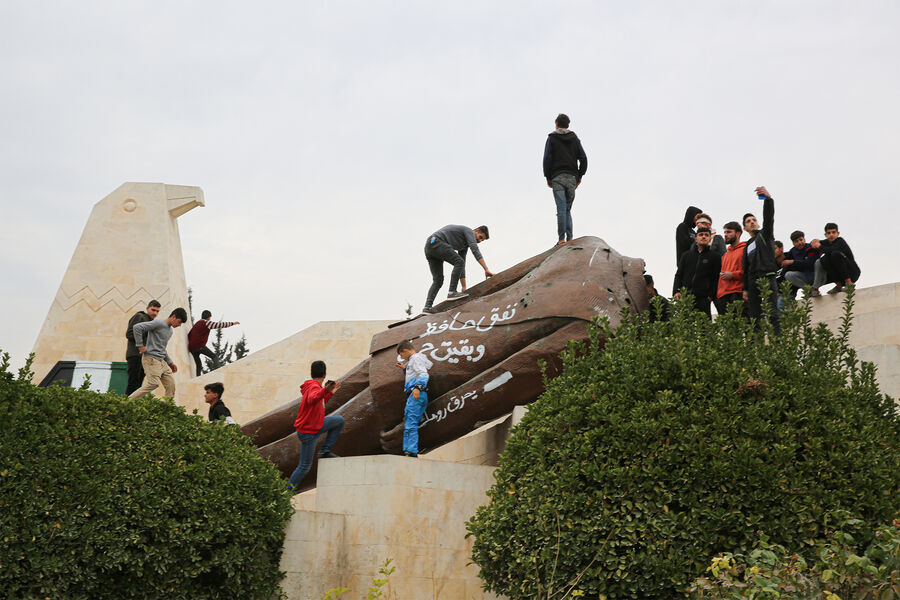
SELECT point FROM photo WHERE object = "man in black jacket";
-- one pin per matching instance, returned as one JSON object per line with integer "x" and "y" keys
{"x": 217, "y": 409}
{"x": 132, "y": 355}
{"x": 837, "y": 259}
{"x": 759, "y": 259}
{"x": 565, "y": 163}
{"x": 698, "y": 271}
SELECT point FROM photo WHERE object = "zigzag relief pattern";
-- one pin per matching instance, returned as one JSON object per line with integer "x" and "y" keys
{"x": 126, "y": 303}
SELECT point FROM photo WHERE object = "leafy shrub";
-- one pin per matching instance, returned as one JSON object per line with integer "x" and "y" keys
{"x": 105, "y": 497}
{"x": 837, "y": 572}
{"x": 680, "y": 440}
{"x": 375, "y": 591}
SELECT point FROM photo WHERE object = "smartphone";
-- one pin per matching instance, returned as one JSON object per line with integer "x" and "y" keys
{"x": 329, "y": 383}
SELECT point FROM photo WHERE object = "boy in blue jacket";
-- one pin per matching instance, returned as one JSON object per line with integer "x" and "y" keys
{"x": 416, "y": 385}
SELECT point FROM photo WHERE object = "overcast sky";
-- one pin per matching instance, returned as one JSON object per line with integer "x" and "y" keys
{"x": 331, "y": 138}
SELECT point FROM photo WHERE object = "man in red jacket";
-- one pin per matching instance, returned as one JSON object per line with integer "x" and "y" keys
{"x": 311, "y": 421}
{"x": 199, "y": 335}
{"x": 731, "y": 279}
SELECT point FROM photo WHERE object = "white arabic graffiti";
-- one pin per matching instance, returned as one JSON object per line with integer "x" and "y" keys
{"x": 453, "y": 325}
{"x": 452, "y": 354}
{"x": 454, "y": 404}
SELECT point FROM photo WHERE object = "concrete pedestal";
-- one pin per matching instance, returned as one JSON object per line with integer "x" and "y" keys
{"x": 366, "y": 509}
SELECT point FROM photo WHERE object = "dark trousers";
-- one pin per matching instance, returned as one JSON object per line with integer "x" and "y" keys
{"x": 754, "y": 299}
{"x": 727, "y": 300}
{"x": 437, "y": 252}
{"x": 135, "y": 373}
{"x": 701, "y": 303}
{"x": 839, "y": 268}
{"x": 205, "y": 352}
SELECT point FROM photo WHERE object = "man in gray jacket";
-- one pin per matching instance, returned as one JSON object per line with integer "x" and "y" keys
{"x": 451, "y": 244}
{"x": 158, "y": 367}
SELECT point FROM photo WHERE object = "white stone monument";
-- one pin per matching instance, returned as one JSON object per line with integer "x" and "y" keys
{"x": 129, "y": 253}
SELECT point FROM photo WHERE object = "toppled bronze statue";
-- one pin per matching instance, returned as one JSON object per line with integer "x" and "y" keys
{"x": 485, "y": 350}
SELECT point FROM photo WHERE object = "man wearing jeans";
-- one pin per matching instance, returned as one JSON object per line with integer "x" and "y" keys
{"x": 450, "y": 244}
{"x": 311, "y": 421}
{"x": 158, "y": 367}
{"x": 565, "y": 163}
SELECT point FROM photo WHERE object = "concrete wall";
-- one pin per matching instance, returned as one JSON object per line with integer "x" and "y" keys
{"x": 370, "y": 508}
{"x": 876, "y": 329}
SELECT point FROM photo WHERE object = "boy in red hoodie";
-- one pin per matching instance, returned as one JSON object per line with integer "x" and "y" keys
{"x": 311, "y": 421}
{"x": 731, "y": 279}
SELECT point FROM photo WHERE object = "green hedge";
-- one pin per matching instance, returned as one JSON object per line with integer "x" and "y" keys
{"x": 106, "y": 497}
{"x": 681, "y": 440}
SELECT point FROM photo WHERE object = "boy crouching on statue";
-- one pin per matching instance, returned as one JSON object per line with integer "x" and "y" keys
{"x": 416, "y": 385}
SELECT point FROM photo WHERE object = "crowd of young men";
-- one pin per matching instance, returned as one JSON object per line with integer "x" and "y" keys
{"x": 722, "y": 270}
{"x": 717, "y": 270}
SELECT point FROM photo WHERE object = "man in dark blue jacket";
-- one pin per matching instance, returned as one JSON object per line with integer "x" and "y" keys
{"x": 799, "y": 263}
{"x": 565, "y": 163}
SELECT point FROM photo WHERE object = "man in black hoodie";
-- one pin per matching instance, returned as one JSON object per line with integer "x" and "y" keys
{"x": 565, "y": 163}
{"x": 684, "y": 233}
{"x": 759, "y": 259}
{"x": 698, "y": 271}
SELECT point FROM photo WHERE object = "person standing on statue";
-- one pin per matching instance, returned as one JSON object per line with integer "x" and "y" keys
{"x": 132, "y": 356}
{"x": 154, "y": 358}
{"x": 450, "y": 244}
{"x": 565, "y": 164}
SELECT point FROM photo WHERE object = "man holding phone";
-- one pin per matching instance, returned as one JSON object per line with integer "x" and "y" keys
{"x": 759, "y": 260}
{"x": 311, "y": 421}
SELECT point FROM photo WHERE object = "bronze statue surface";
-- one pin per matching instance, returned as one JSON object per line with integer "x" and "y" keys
{"x": 485, "y": 348}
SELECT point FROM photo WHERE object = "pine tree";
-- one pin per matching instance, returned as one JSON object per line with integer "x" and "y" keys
{"x": 241, "y": 349}
{"x": 222, "y": 349}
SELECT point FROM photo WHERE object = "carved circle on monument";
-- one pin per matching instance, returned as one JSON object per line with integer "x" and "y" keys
{"x": 129, "y": 204}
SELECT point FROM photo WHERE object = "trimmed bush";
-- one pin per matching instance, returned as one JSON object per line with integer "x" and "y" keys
{"x": 679, "y": 440}
{"x": 106, "y": 497}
